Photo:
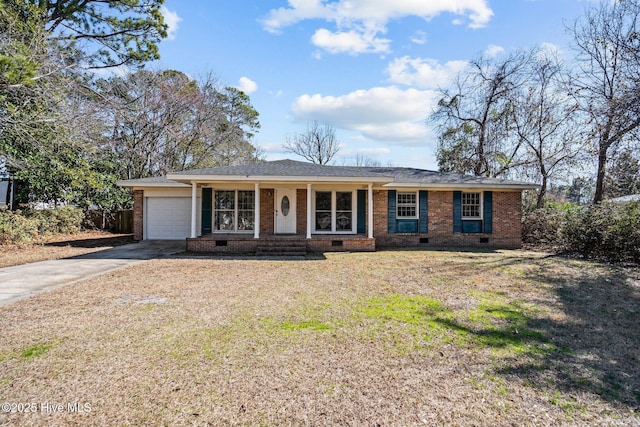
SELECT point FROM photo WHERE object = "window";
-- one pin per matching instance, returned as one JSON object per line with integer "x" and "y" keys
{"x": 344, "y": 211}
{"x": 334, "y": 211}
{"x": 471, "y": 206}
{"x": 407, "y": 205}
{"x": 234, "y": 210}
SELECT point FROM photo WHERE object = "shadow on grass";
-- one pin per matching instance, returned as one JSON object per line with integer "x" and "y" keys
{"x": 95, "y": 243}
{"x": 598, "y": 341}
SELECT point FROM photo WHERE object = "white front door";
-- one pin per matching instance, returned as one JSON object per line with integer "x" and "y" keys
{"x": 285, "y": 211}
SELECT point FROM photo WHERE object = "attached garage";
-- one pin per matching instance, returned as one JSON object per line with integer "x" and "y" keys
{"x": 167, "y": 218}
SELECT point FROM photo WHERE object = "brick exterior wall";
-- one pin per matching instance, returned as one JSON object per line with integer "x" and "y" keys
{"x": 507, "y": 213}
{"x": 301, "y": 212}
{"x": 222, "y": 245}
{"x": 138, "y": 215}
{"x": 507, "y": 226}
{"x": 267, "y": 196}
{"x": 339, "y": 244}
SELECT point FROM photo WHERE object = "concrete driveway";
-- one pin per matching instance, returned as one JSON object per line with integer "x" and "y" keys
{"x": 21, "y": 281}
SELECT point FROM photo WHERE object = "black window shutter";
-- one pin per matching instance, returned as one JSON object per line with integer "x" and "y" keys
{"x": 362, "y": 211}
{"x": 206, "y": 210}
{"x": 488, "y": 212}
{"x": 457, "y": 211}
{"x": 391, "y": 212}
{"x": 423, "y": 226}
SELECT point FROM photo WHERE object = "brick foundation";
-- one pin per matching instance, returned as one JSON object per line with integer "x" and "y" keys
{"x": 249, "y": 245}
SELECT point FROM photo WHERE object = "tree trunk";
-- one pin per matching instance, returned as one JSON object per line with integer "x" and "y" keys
{"x": 542, "y": 193}
{"x": 602, "y": 163}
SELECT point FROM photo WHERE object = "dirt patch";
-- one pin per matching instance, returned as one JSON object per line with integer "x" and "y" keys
{"x": 60, "y": 246}
{"x": 386, "y": 338}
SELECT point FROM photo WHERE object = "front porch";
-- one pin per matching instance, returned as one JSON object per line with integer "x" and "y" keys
{"x": 280, "y": 245}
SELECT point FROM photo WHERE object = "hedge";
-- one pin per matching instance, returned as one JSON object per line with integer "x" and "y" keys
{"x": 604, "y": 231}
{"x": 24, "y": 226}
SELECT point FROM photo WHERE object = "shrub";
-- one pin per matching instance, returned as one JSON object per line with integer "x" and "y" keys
{"x": 16, "y": 228}
{"x": 603, "y": 231}
{"x": 60, "y": 220}
{"x": 23, "y": 226}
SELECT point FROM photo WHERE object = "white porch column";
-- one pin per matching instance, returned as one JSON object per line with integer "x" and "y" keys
{"x": 194, "y": 208}
{"x": 256, "y": 221}
{"x": 370, "y": 211}
{"x": 309, "y": 213}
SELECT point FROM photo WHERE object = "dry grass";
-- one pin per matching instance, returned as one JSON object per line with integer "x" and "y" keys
{"x": 60, "y": 246}
{"x": 387, "y": 338}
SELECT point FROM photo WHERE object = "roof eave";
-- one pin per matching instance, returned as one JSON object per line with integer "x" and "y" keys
{"x": 134, "y": 184}
{"x": 462, "y": 185}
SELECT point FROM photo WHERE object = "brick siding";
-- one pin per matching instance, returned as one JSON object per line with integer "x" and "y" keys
{"x": 507, "y": 213}
{"x": 266, "y": 210}
{"x": 138, "y": 215}
{"x": 507, "y": 216}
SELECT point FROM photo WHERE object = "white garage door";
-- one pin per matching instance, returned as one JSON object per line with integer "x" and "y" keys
{"x": 168, "y": 218}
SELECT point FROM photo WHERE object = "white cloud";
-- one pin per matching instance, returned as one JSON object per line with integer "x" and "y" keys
{"x": 493, "y": 50}
{"x": 358, "y": 22}
{"x": 551, "y": 48}
{"x": 352, "y": 42}
{"x": 172, "y": 20}
{"x": 388, "y": 114}
{"x": 420, "y": 37}
{"x": 423, "y": 72}
{"x": 247, "y": 85}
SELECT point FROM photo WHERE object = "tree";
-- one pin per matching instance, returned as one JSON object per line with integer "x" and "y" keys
{"x": 544, "y": 119}
{"x": 474, "y": 117}
{"x": 99, "y": 33}
{"x": 318, "y": 144}
{"x": 161, "y": 121}
{"x": 623, "y": 176}
{"x": 42, "y": 131}
{"x": 580, "y": 191}
{"x": 607, "y": 87}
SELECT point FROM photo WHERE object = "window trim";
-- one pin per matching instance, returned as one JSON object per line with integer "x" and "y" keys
{"x": 480, "y": 206}
{"x": 236, "y": 211}
{"x": 354, "y": 212}
{"x": 417, "y": 196}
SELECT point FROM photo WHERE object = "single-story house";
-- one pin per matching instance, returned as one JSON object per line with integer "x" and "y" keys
{"x": 287, "y": 206}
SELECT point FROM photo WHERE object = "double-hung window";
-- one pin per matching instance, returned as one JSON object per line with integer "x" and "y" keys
{"x": 407, "y": 205}
{"x": 234, "y": 210}
{"x": 471, "y": 205}
{"x": 334, "y": 212}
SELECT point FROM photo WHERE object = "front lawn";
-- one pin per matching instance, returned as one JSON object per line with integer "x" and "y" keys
{"x": 60, "y": 246}
{"x": 386, "y": 338}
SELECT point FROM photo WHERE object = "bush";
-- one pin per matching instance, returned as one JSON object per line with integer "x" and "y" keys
{"x": 22, "y": 227}
{"x": 16, "y": 228}
{"x": 603, "y": 231}
{"x": 59, "y": 221}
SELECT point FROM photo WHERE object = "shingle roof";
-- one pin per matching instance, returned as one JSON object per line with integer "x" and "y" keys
{"x": 294, "y": 169}
{"x": 284, "y": 168}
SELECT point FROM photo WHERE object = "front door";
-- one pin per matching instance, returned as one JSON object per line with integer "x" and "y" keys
{"x": 285, "y": 211}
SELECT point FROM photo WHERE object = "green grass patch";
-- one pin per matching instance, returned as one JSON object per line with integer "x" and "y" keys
{"x": 410, "y": 322}
{"x": 35, "y": 351}
{"x": 313, "y": 325}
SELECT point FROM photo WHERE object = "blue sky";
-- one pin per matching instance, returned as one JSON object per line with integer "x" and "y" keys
{"x": 369, "y": 68}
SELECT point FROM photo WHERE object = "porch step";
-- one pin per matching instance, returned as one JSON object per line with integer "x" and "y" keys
{"x": 284, "y": 247}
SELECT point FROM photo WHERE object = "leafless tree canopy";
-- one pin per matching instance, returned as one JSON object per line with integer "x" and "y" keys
{"x": 607, "y": 85}
{"x": 318, "y": 144}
